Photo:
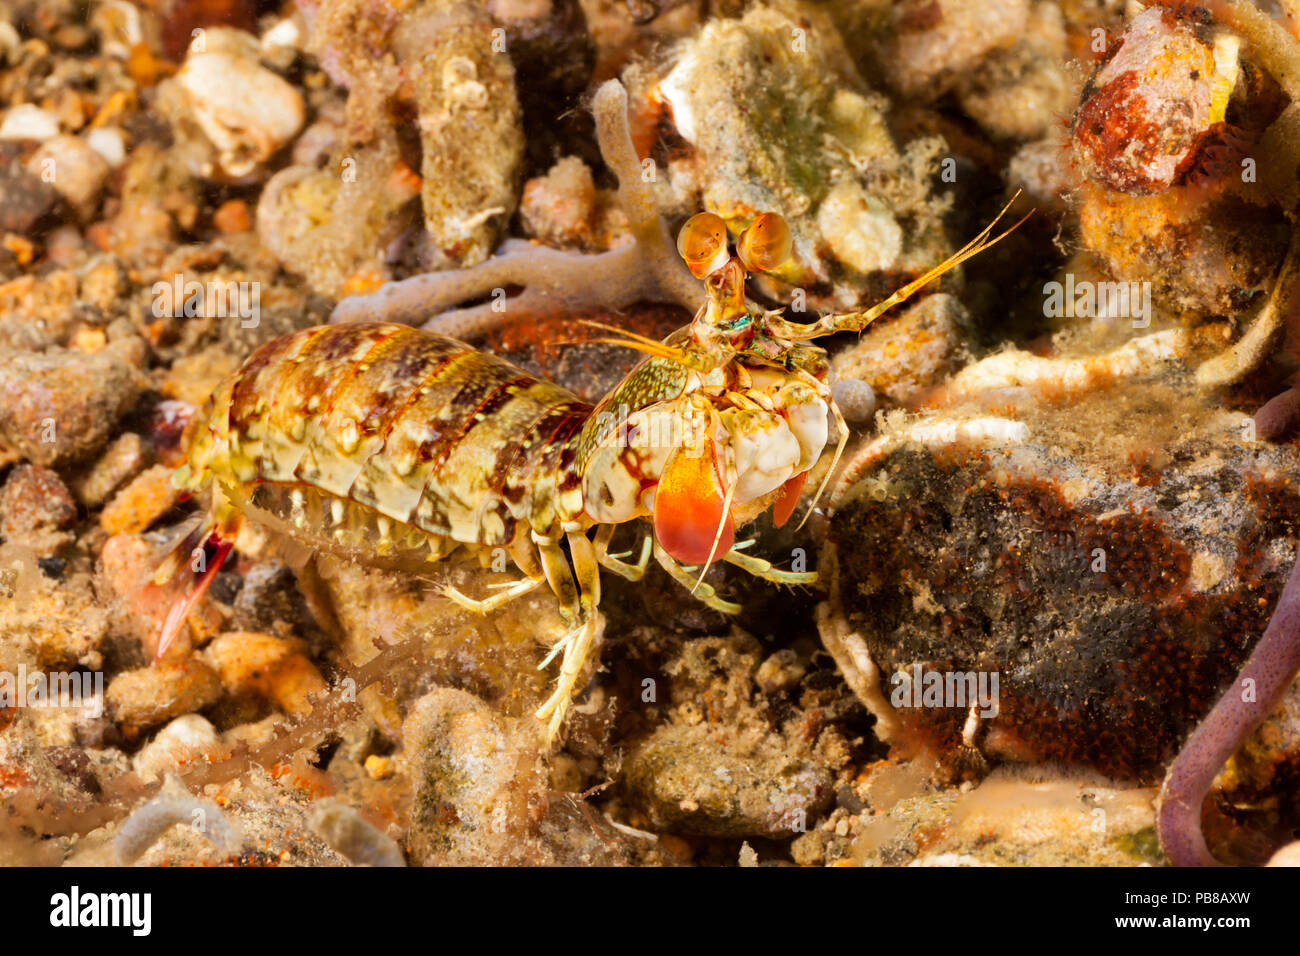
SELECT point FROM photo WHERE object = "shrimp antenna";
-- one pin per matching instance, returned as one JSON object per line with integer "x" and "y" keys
{"x": 685, "y": 357}
{"x": 857, "y": 321}
{"x": 717, "y": 537}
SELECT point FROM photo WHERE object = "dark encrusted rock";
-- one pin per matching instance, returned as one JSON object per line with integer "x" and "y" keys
{"x": 1115, "y": 586}
{"x": 27, "y": 204}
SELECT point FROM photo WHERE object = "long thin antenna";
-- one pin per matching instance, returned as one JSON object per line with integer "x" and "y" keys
{"x": 857, "y": 321}
{"x": 717, "y": 536}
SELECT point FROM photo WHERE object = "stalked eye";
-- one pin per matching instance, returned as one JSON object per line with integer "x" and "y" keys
{"x": 703, "y": 243}
{"x": 765, "y": 245}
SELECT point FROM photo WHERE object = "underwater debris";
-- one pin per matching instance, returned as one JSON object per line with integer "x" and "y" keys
{"x": 36, "y": 510}
{"x": 1169, "y": 131}
{"x": 230, "y": 114}
{"x": 1016, "y": 816}
{"x": 344, "y": 829}
{"x": 187, "y": 738}
{"x": 1058, "y": 565}
{"x": 1265, "y": 332}
{"x": 443, "y": 60}
{"x": 479, "y": 781}
{"x": 154, "y": 695}
{"x": 47, "y": 620}
{"x": 1249, "y": 699}
{"x": 1013, "y": 372}
{"x": 928, "y": 46}
{"x": 121, "y": 461}
{"x": 647, "y": 269}
{"x": 471, "y": 140}
{"x": 1021, "y": 92}
{"x": 147, "y": 824}
{"x": 1152, "y": 103}
{"x": 332, "y": 223}
{"x": 81, "y": 172}
{"x": 790, "y": 126}
{"x": 1210, "y": 257}
{"x": 270, "y": 667}
{"x": 716, "y": 765}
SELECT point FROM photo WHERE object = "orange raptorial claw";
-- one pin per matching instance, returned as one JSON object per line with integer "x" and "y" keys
{"x": 691, "y": 508}
{"x": 787, "y": 498}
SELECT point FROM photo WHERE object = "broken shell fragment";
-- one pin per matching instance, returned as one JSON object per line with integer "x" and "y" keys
{"x": 1145, "y": 111}
{"x": 244, "y": 110}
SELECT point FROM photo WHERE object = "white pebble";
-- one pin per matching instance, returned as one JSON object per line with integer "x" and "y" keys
{"x": 286, "y": 33}
{"x": 28, "y": 121}
{"x": 109, "y": 143}
{"x": 244, "y": 109}
{"x": 861, "y": 232}
{"x": 856, "y": 399}
{"x": 185, "y": 738}
{"x": 74, "y": 168}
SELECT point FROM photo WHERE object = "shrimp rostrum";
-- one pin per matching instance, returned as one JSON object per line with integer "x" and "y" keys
{"x": 389, "y": 445}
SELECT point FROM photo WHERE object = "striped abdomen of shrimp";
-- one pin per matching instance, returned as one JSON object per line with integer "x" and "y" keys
{"x": 393, "y": 446}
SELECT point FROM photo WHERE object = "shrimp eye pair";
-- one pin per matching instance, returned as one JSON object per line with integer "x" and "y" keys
{"x": 763, "y": 246}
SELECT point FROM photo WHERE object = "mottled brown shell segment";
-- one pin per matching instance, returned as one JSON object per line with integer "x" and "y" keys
{"x": 379, "y": 430}
{"x": 654, "y": 380}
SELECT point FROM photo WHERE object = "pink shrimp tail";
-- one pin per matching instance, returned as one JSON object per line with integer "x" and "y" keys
{"x": 185, "y": 601}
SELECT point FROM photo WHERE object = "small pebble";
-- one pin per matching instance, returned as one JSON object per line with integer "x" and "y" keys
{"x": 272, "y": 667}
{"x": 154, "y": 695}
{"x": 185, "y": 739}
{"x": 133, "y": 509}
{"x": 246, "y": 111}
{"x": 856, "y": 399}
{"x": 36, "y": 509}
{"x": 350, "y": 834}
{"x": 29, "y": 121}
{"x": 109, "y": 142}
{"x": 26, "y": 203}
{"x": 125, "y": 458}
{"x": 75, "y": 169}
{"x": 232, "y": 216}
{"x": 60, "y": 407}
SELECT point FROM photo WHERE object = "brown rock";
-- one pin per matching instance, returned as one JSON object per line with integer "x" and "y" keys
{"x": 27, "y": 204}
{"x": 154, "y": 695}
{"x": 121, "y": 461}
{"x": 61, "y": 406}
{"x": 36, "y": 510}
{"x": 1112, "y": 578}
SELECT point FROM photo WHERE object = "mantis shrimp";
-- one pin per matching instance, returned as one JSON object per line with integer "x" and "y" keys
{"x": 393, "y": 446}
